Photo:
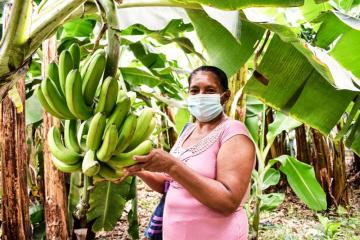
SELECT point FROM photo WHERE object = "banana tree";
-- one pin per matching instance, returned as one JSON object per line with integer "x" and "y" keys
{"x": 300, "y": 176}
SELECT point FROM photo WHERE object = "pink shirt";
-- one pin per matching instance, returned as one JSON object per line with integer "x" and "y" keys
{"x": 185, "y": 218}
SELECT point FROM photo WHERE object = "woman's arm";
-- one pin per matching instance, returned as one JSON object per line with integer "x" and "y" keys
{"x": 224, "y": 194}
{"x": 155, "y": 181}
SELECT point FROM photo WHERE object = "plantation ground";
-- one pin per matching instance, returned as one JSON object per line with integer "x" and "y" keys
{"x": 292, "y": 220}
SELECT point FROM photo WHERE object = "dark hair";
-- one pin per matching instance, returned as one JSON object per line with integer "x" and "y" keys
{"x": 220, "y": 75}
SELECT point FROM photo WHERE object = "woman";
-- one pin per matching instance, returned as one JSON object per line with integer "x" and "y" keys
{"x": 209, "y": 167}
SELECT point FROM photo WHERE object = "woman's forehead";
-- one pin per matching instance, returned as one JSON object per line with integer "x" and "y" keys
{"x": 204, "y": 78}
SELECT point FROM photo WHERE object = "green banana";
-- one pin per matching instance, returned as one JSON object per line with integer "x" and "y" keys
{"x": 54, "y": 99}
{"x": 74, "y": 96}
{"x": 90, "y": 166}
{"x": 58, "y": 149}
{"x": 120, "y": 165}
{"x": 82, "y": 133}
{"x": 108, "y": 145}
{"x": 93, "y": 77}
{"x": 64, "y": 167}
{"x": 70, "y": 138}
{"x": 96, "y": 131}
{"x": 108, "y": 96}
{"x": 126, "y": 132}
{"x": 85, "y": 64}
{"x": 46, "y": 106}
{"x": 109, "y": 174}
{"x": 75, "y": 54}
{"x": 142, "y": 126}
{"x": 65, "y": 66}
{"x": 53, "y": 74}
{"x": 118, "y": 115}
{"x": 150, "y": 129}
{"x": 126, "y": 159}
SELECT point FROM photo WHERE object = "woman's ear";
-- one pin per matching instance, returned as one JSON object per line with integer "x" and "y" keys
{"x": 225, "y": 97}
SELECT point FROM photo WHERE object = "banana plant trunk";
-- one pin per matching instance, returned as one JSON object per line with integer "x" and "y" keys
{"x": 14, "y": 164}
{"x": 55, "y": 192}
{"x": 322, "y": 163}
{"x": 339, "y": 174}
{"x": 303, "y": 150}
{"x": 15, "y": 199}
{"x": 236, "y": 83}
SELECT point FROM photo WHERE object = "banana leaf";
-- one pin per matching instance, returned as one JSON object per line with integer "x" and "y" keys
{"x": 344, "y": 32}
{"x": 224, "y": 50}
{"x": 138, "y": 77}
{"x": 75, "y": 190}
{"x": 33, "y": 110}
{"x": 78, "y": 28}
{"x": 107, "y": 202}
{"x": 281, "y": 123}
{"x": 133, "y": 222}
{"x": 302, "y": 180}
{"x": 181, "y": 118}
{"x": 239, "y": 4}
{"x": 271, "y": 201}
{"x": 353, "y": 137}
{"x": 293, "y": 85}
{"x": 271, "y": 177}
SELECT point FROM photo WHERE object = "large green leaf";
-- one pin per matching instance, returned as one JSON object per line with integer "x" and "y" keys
{"x": 293, "y": 85}
{"x": 78, "y": 28}
{"x": 75, "y": 190}
{"x": 271, "y": 201}
{"x": 353, "y": 137}
{"x": 281, "y": 123}
{"x": 312, "y": 9}
{"x": 33, "y": 110}
{"x": 181, "y": 118}
{"x": 302, "y": 180}
{"x": 138, "y": 77}
{"x": 133, "y": 222}
{"x": 271, "y": 177}
{"x": 224, "y": 50}
{"x": 254, "y": 107}
{"x": 345, "y": 31}
{"x": 107, "y": 202}
{"x": 239, "y": 4}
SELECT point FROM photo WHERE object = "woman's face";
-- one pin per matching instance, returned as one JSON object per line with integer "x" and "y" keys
{"x": 205, "y": 82}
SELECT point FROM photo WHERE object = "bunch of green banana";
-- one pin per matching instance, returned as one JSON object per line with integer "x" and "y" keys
{"x": 101, "y": 134}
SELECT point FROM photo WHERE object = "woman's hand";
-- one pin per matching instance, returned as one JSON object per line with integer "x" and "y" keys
{"x": 156, "y": 161}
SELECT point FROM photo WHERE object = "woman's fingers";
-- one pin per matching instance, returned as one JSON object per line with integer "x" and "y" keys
{"x": 134, "y": 168}
{"x": 143, "y": 158}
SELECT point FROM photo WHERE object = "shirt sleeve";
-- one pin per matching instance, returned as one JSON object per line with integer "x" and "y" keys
{"x": 233, "y": 128}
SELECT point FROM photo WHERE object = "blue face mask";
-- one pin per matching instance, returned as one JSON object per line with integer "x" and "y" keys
{"x": 204, "y": 107}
